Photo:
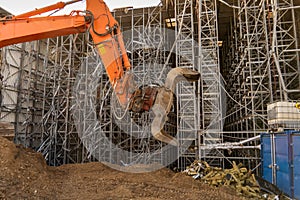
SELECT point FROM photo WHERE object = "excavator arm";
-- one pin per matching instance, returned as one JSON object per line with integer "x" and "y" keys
{"x": 97, "y": 19}
{"x": 19, "y": 30}
{"x": 107, "y": 38}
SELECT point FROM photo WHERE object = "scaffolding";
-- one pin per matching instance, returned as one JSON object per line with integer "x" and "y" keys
{"x": 109, "y": 132}
{"x": 19, "y": 88}
{"x": 58, "y": 97}
{"x": 260, "y": 61}
{"x": 36, "y": 96}
{"x": 60, "y": 143}
{"x": 187, "y": 94}
{"x": 211, "y": 91}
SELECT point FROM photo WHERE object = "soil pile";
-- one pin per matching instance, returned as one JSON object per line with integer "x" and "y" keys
{"x": 25, "y": 175}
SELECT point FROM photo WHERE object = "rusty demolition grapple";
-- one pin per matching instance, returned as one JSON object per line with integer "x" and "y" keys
{"x": 160, "y": 100}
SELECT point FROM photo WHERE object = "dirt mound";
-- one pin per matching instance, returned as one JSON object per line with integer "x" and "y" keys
{"x": 22, "y": 171}
{"x": 25, "y": 175}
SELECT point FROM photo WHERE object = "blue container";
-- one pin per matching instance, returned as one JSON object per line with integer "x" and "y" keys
{"x": 296, "y": 165}
{"x": 280, "y": 155}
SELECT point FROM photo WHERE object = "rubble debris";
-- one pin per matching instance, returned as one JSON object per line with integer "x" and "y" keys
{"x": 238, "y": 177}
{"x": 25, "y": 175}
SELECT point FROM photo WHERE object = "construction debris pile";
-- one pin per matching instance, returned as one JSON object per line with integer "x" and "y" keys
{"x": 25, "y": 175}
{"x": 238, "y": 177}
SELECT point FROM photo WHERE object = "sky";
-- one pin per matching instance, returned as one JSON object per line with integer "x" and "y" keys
{"x": 15, "y": 7}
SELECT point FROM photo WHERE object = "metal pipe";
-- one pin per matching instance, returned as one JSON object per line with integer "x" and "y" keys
{"x": 273, "y": 159}
{"x": 233, "y": 145}
{"x": 59, "y": 5}
{"x": 71, "y": 2}
{"x": 229, "y": 147}
{"x": 287, "y": 8}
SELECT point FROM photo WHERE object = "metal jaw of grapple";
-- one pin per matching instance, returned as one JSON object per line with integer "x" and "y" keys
{"x": 164, "y": 101}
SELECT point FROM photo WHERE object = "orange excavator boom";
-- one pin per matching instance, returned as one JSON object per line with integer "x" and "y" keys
{"x": 97, "y": 18}
{"x": 17, "y": 30}
{"x": 57, "y": 6}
